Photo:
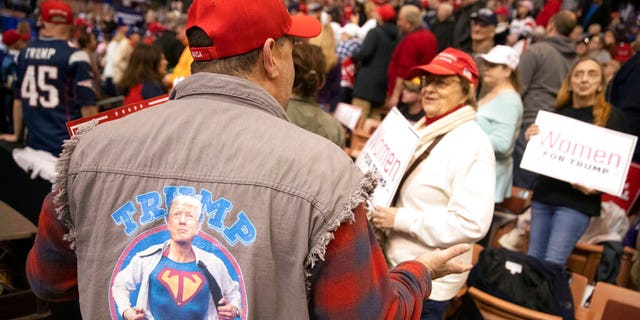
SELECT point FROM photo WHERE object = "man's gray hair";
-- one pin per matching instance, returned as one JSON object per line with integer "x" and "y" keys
{"x": 413, "y": 15}
{"x": 240, "y": 65}
{"x": 188, "y": 200}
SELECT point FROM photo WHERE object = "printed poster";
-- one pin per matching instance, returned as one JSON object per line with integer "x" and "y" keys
{"x": 348, "y": 115}
{"x": 177, "y": 270}
{"x": 116, "y": 113}
{"x": 577, "y": 152}
{"x": 631, "y": 191}
{"x": 387, "y": 154}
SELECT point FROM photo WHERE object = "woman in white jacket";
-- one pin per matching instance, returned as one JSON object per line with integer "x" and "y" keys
{"x": 448, "y": 198}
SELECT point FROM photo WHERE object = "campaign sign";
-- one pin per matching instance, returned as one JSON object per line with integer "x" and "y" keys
{"x": 387, "y": 154}
{"x": 348, "y": 115}
{"x": 631, "y": 191}
{"x": 577, "y": 152}
{"x": 116, "y": 113}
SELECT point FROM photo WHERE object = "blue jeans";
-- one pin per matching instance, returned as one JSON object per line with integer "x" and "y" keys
{"x": 433, "y": 310}
{"x": 555, "y": 231}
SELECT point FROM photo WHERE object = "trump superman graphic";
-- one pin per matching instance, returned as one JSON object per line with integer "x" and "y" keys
{"x": 177, "y": 278}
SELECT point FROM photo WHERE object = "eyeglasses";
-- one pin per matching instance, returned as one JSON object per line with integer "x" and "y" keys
{"x": 439, "y": 82}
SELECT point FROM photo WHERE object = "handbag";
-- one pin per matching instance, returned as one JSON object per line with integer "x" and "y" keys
{"x": 523, "y": 280}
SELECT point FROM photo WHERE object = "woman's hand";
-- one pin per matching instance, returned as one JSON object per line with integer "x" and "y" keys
{"x": 586, "y": 190}
{"x": 383, "y": 217}
{"x": 531, "y": 131}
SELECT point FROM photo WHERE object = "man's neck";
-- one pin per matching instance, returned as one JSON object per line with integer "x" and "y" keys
{"x": 482, "y": 46}
{"x": 57, "y": 33}
{"x": 181, "y": 252}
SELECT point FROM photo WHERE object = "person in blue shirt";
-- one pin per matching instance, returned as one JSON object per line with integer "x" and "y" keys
{"x": 55, "y": 83}
{"x": 500, "y": 112}
{"x": 14, "y": 42}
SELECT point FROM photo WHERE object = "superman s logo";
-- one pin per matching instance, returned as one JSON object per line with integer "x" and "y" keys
{"x": 182, "y": 286}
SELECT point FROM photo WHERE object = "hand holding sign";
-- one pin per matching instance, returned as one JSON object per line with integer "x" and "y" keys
{"x": 580, "y": 153}
{"x": 387, "y": 153}
{"x": 531, "y": 131}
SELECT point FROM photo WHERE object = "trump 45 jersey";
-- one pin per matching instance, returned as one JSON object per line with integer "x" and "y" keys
{"x": 55, "y": 82}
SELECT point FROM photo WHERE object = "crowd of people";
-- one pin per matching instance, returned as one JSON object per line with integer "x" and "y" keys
{"x": 248, "y": 131}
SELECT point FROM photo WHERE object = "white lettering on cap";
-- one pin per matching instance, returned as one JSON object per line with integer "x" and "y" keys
{"x": 466, "y": 73}
{"x": 485, "y": 12}
{"x": 449, "y": 58}
{"x": 58, "y": 12}
{"x": 196, "y": 54}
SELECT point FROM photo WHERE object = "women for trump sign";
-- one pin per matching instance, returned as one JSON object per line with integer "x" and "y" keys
{"x": 577, "y": 152}
{"x": 387, "y": 154}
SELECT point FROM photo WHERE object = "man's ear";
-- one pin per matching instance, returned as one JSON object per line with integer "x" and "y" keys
{"x": 270, "y": 59}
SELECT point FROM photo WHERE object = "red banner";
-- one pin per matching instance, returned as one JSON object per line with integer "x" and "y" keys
{"x": 631, "y": 190}
{"x": 116, "y": 113}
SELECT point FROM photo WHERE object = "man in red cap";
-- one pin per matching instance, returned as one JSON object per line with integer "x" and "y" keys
{"x": 55, "y": 83}
{"x": 14, "y": 42}
{"x": 291, "y": 228}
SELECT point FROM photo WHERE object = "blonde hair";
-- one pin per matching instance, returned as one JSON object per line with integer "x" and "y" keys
{"x": 470, "y": 91}
{"x": 327, "y": 42}
{"x": 601, "y": 108}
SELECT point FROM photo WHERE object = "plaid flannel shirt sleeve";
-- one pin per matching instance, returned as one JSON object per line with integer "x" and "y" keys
{"x": 51, "y": 264}
{"x": 353, "y": 281}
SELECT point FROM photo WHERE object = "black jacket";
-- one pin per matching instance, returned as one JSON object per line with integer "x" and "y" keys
{"x": 373, "y": 58}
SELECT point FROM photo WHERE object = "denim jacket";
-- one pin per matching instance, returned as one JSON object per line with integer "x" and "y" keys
{"x": 270, "y": 207}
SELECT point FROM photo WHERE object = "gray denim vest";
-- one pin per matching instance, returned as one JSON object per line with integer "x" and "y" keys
{"x": 272, "y": 193}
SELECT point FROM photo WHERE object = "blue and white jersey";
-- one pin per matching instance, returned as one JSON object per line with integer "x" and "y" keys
{"x": 55, "y": 82}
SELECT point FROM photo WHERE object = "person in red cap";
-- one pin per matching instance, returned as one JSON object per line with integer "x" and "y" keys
{"x": 55, "y": 83}
{"x": 14, "y": 42}
{"x": 446, "y": 196}
{"x": 282, "y": 207}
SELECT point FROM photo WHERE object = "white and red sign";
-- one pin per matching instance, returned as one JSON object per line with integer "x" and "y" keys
{"x": 631, "y": 191}
{"x": 577, "y": 152}
{"x": 348, "y": 115}
{"x": 116, "y": 113}
{"x": 388, "y": 153}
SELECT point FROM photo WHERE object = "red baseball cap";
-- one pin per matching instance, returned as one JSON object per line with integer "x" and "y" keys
{"x": 10, "y": 37}
{"x": 239, "y": 26}
{"x": 450, "y": 62}
{"x": 58, "y": 12}
{"x": 386, "y": 12}
{"x": 502, "y": 11}
{"x": 623, "y": 52}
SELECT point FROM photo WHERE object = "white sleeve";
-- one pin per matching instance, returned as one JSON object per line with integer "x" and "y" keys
{"x": 466, "y": 217}
{"x": 125, "y": 282}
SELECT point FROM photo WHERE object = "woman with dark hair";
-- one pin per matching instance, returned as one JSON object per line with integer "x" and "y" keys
{"x": 560, "y": 211}
{"x": 303, "y": 109}
{"x": 143, "y": 77}
{"x": 88, "y": 43}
